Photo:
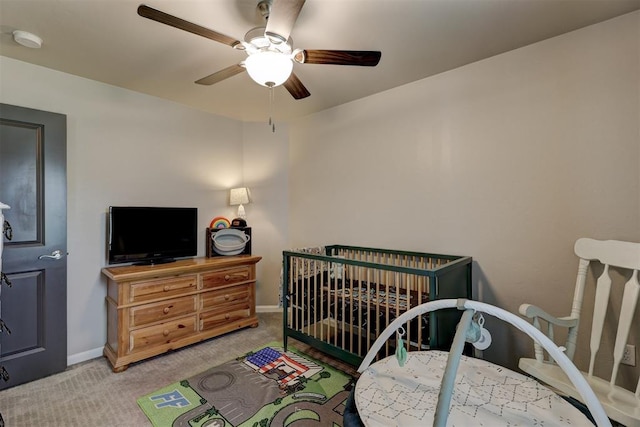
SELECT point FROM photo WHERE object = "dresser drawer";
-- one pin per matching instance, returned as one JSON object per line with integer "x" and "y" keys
{"x": 152, "y": 336}
{"x": 226, "y": 277}
{"x": 161, "y": 311}
{"x": 235, "y": 294}
{"x": 225, "y": 314}
{"x": 162, "y": 288}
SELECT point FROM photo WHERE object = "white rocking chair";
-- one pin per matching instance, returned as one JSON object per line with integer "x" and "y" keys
{"x": 620, "y": 404}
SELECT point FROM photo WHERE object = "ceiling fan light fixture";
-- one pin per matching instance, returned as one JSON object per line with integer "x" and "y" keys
{"x": 269, "y": 68}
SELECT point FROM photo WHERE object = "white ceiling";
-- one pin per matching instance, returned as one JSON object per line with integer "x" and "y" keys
{"x": 106, "y": 40}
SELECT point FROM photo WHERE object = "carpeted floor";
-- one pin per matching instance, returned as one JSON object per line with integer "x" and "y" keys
{"x": 90, "y": 394}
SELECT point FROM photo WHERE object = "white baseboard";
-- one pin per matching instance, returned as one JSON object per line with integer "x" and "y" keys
{"x": 84, "y": 356}
{"x": 268, "y": 309}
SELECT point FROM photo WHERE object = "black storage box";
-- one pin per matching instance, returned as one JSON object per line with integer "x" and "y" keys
{"x": 209, "y": 241}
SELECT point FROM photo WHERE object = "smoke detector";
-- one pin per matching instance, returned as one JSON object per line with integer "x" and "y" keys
{"x": 27, "y": 39}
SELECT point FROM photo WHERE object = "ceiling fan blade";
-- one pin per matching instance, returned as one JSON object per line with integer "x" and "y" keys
{"x": 295, "y": 87}
{"x": 282, "y": 18}
{"x": 221, "y": 75}
{"x": 164, "y": 18}
{"x": 364, "y": 58}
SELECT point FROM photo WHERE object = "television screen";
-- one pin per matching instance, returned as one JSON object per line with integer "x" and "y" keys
{"x": 151, "y": 235}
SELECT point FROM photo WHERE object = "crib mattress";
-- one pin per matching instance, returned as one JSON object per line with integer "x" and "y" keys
{"x": 484, "y": 394}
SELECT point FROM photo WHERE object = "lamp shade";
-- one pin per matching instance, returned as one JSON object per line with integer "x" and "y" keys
{"x": 239, "y": 196}
{"x": 269, "y": 68}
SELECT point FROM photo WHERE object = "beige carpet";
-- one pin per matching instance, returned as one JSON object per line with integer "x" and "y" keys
{"x": 90, "y": 394}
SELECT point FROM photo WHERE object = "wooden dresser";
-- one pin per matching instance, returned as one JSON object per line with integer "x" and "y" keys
{"x": 154, "y": 309}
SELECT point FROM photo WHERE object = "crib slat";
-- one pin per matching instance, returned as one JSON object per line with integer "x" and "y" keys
{"x": 343, "y": 330}
{"x": 369, "y": 332}
{"x": 336, "y": 306}
{"x": 309, "y": 300}
{"x": 378, "y": 280}
{"x": 314, "y": 299}
{"x": 296, "y": 294}
{"x": 348, "y": 311}
{"x": 386, "y": 307}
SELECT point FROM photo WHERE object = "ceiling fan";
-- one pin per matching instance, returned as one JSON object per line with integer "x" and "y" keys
{"x": 270, "y": 53}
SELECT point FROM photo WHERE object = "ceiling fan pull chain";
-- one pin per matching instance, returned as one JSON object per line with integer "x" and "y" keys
{"x": 271, "y": 100}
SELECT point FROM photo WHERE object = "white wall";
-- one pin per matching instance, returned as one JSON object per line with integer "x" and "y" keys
{"x": 265, "y": 158}
{"x": 508, "y": 160}
{"x": 124, "y": 148}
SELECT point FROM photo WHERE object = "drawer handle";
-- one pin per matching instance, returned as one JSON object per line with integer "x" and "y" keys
{"x": 166, "y": 288}
{"x": 227, "y": 277}
{"x": 165, "y": 332}
{"x": 226, "y": 297}
{"x": 166, "y": 310}
{"x": 226, "y": 316}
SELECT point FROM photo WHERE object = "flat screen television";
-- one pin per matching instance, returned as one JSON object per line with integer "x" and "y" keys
{"x": 151, "y": 235}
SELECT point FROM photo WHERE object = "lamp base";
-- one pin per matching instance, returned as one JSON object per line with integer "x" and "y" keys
{"x": 241, "y": 213}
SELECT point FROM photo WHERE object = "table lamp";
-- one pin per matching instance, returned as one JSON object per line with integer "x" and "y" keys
{"x": 240, "y": 196}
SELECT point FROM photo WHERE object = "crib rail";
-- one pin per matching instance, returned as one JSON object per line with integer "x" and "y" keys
{"x": 339, "y": 298}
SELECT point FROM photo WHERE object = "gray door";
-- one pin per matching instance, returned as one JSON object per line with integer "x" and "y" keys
{"x": 33, "y": 184}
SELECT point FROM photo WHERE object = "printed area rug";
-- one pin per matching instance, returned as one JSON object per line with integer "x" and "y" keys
{"x": 265, "y": 387}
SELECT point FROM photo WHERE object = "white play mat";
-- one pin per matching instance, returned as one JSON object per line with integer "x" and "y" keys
{"x": 484, "y": 394}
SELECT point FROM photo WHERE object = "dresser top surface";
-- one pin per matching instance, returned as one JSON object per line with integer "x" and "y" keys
{"x": 182, "y": 266}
